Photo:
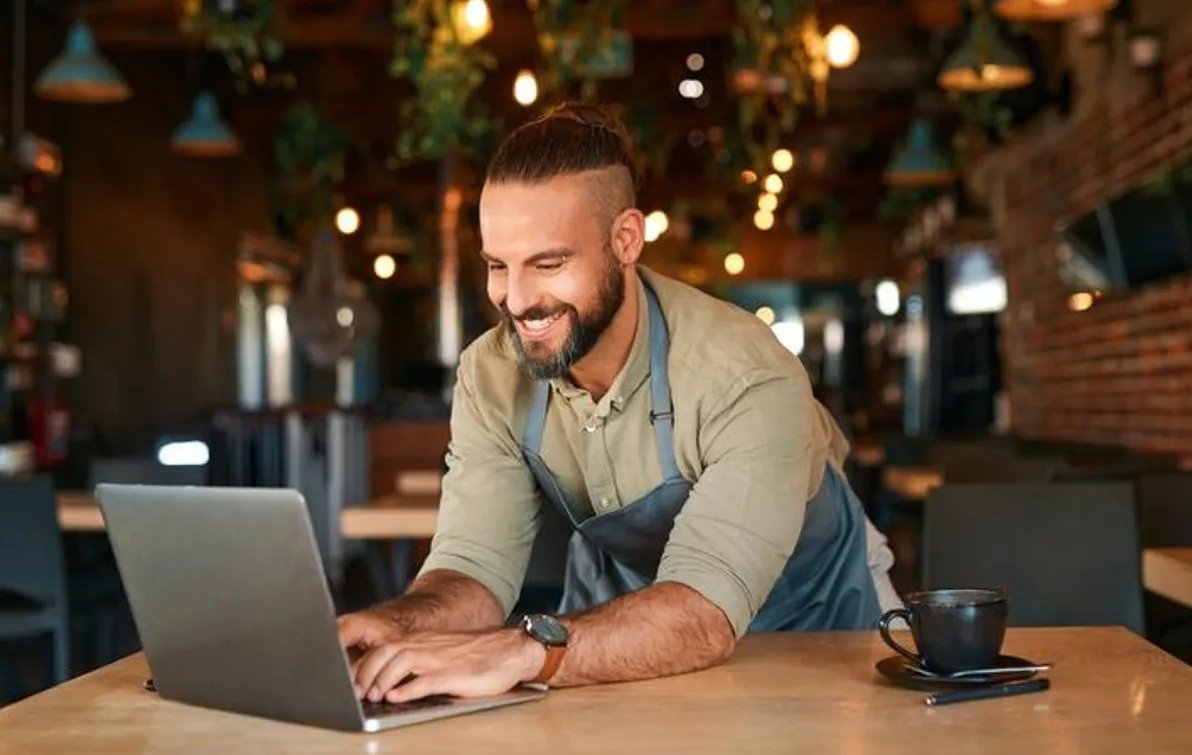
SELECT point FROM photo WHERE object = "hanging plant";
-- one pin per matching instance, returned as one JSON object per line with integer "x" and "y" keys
{"x": 438, "y": 52}
{"x": 248, "y": 37}
{"x": 308, "y": 154}
{"x": 576, "y": 39}
{"x": 772, "y": 67}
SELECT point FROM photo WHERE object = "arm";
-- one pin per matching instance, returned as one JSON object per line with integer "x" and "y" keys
{"x": 488, "y": 518}
{"x": 734, "y": 536}
{"x": 662, "y": 630}
{"x": 443, "y": 600}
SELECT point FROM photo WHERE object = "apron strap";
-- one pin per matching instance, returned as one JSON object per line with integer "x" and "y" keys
{"x": 662, "y": 414}
{"x": 535, "y": 424}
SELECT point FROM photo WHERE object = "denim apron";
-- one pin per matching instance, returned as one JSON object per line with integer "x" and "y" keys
{"x": 825, "y": 585}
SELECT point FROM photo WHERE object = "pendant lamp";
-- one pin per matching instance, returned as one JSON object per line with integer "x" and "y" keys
{"x": 919, "y": 162}
{"x": 1050, "y": 10}
{"x": 80, "y": 73}
{"x": 984, "y": 62}
{"x": 205, "y": 134}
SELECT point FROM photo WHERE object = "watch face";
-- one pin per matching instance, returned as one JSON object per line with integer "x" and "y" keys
{"x": 546, "y": 629}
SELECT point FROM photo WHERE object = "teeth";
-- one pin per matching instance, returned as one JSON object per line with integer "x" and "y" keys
{"x": 538, "y": 325}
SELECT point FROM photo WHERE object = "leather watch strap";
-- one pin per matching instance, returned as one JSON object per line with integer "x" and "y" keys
{"x": 554, "y": 657}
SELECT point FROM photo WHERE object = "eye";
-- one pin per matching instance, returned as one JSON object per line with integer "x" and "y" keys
{"x": 494, "y": 267}
{"x": 548, "y": 267}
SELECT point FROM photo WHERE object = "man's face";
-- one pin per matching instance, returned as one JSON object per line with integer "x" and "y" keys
{"x": 551, "y": 270}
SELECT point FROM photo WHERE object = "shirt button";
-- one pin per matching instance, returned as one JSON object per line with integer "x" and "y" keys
{"x": 606, "y": 503}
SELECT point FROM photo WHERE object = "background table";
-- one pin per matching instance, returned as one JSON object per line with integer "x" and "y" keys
{"x": 792, "y": 693}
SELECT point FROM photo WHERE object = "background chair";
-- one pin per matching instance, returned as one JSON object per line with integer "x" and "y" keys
{"x": 1068, "y": 554}
{"x": 33, "y": 596}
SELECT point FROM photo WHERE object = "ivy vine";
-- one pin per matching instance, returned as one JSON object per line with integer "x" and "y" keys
{"x": 248, "y": 38}
{"x": 570, "y": 33}
{"x": 309, "y": 154}
{"x": 446, "y": 68}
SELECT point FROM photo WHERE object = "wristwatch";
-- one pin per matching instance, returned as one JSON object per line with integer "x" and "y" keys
{"x": 553, "y": 635}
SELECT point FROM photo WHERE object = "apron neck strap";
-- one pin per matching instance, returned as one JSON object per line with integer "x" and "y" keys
{"x": 662, "y": 414}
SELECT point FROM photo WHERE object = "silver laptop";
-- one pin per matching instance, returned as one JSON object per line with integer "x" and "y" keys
{"x": 233, "y": 610}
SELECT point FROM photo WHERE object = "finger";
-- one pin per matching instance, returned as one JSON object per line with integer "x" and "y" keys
{"x": 371, "y": 664}
{"x": 423, "y": 686}
{"x": 400, "y": 666}
{"x": 352, "y": 630}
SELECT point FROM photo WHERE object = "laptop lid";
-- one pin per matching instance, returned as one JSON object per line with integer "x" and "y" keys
{"x": 230, "y": 600}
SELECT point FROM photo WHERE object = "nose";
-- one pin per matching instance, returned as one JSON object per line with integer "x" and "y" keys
{"x": 520, "y": 294}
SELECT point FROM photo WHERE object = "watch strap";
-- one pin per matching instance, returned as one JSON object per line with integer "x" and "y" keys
{"x": 550, "y": 666}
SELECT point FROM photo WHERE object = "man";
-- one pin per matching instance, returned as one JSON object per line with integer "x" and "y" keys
{"x": 672, "y": 430}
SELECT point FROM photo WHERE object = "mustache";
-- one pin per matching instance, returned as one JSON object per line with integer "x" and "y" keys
{"x": 534, "y": 313}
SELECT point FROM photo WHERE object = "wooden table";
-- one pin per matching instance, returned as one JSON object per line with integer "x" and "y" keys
{"x": 386, "y": 518}
{"x": 793, "y": 693}
{"x": 1168, "y": 572}
{"x": 911, "y": 483}
{"x": 389, "y": 520}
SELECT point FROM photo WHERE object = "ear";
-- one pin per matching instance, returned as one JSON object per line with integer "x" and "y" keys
{"x": 627, "y": 235}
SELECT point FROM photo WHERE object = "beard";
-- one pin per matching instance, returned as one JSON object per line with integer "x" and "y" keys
{"x": 536, "y": 359}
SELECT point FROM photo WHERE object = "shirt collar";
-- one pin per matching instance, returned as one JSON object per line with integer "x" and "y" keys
{"x": 637, "y": 366}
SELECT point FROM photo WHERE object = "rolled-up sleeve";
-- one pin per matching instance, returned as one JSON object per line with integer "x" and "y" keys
{"x": 742, "y": 520}
{"x": 489, "y": 512}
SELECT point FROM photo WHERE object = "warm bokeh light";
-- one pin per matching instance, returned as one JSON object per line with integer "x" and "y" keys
{"x": 773, "y": 183}
{"x": 841, "y": 47}
{"x": 525, "y": 88}
{"x": 766, "y": 315}
{"x": 767, "y": 202}
{"x": 748, "y": 176}
{"x": 656, "y": 225}
{"x": 734, "y": 264}
{"x": 472, "y": 20}
{"x": 691, "y": 89}
{"x": 782, "y": 160}
{"x": 1080, "y": 301}
{"x": 763, "y": 220}
{"x": 384, "y": 267}
{"x": 695, "y": 62}
{"x": 347, "y": 221}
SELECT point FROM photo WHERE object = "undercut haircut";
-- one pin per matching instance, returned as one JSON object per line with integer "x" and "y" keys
{"x": 569, "y": 139}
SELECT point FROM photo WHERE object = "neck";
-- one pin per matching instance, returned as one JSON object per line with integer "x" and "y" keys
{"x": 598, "y": 369}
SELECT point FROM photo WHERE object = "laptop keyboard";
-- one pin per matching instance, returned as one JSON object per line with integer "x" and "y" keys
{"x": 378, "y": 710}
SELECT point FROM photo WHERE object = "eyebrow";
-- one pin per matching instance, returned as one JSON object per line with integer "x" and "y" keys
{"x": 549, "y": 255}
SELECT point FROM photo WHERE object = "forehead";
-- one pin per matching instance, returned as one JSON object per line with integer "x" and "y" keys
{"x": 519, "y": 219}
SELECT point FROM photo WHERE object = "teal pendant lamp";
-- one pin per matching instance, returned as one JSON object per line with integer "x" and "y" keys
{"x": 919, "y": 162}
{"x": 984, "y": 62}
{"x": 80, "y": 73}
{"x": 205, "y": 134}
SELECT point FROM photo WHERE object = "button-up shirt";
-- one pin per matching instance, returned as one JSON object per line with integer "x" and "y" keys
{"x": 748, "y": 434}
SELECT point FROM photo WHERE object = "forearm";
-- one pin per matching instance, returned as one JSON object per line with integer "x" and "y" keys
{"x": 662, "y": 630}
{"x": 444, "y": 601}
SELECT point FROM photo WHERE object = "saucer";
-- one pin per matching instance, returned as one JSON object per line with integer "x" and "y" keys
{"x": 897, "y": 669}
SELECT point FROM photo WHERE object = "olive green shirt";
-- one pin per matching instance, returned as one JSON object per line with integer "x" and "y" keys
{"x": 747, "y": 433}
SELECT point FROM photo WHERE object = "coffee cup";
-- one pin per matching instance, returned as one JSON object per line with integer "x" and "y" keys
{"x": 953, "y": 630}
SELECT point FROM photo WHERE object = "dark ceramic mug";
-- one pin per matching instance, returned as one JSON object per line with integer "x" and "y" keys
{"x": 953, "y": 630}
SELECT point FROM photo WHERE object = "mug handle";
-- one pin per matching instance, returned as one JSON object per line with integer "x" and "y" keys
{"x": 883, "y": 626}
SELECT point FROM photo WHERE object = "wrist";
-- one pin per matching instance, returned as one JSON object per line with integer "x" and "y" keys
{"x": 531, "y": 655}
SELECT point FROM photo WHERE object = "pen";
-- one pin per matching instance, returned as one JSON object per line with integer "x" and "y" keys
{"x": 986, "y": 693}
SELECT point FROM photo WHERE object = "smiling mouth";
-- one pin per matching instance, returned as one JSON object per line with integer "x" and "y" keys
{"x": 538, "y": 328}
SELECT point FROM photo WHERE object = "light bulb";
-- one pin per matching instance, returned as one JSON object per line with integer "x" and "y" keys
{"x": 347, "y": 221}
{"x": 525, "y": 88}
{"x": 773, "y": 183}
{"x": 782, "y": 160}
{"x": 384, "y": 267}
{"x": 763, "y": 220}
{"x": 734, "y": 264}
{"x": 767, "y": 202}
{"x": 841, "y": 47}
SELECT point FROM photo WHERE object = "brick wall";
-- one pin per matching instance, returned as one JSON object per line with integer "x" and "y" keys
{"x": 1119, "y": 373}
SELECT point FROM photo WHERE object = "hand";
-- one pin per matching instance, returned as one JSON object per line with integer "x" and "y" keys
{"x": 459, "y": 664}
{"x": 367, "y": 629}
